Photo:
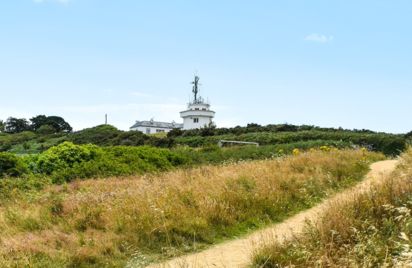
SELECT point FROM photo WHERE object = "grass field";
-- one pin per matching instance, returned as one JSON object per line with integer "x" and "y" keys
{"x": 374, "y": 229}
{"x": 106, "y": 223}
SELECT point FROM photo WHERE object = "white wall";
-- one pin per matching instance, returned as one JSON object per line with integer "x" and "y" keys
{"x": 153, "y": 130}
{"x": 200, "y": 111}
{"x": 188, "y": 122}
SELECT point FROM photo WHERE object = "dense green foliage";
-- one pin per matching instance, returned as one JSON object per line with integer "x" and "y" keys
{"x": 11, "y": 165}
{"x": 55, "y": 123}
{"x": 68, "y": 161}
{"x": 52, "y": 155}
{"x": 64, "y": 156}
{"x": 214, "y": 154}
{"x": 16, "y": 125}
{"x": 106, "y": 135}
{"x": 44, "y": 137}
{"x": 387, "y": 143}
{"x": 29, "y": 142}
{"x": 253, "y": 128}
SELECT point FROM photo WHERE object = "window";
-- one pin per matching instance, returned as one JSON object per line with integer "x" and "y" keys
{"x": 195, "y": 120}
{"x": 147, "y": 130}
{"x": 197, "y": 109}
{"x": 160, "y": 130}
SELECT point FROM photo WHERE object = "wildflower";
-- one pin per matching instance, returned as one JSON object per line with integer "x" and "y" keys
{"x": 325, "y": 148}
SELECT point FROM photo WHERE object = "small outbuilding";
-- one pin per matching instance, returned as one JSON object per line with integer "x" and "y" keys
{"x": 152, "y": 127}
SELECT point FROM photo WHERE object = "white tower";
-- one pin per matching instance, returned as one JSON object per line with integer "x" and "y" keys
{"x": 198, "y": 113}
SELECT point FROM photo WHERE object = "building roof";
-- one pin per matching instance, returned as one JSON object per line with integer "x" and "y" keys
{"x": 156, "y": 124}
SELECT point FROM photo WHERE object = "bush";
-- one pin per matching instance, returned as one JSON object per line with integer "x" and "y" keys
{"x": 64, "y": 156}
{"x": 68, "y": 161}
{"x": 100, "y": 135}
{"x": 11, "y": 165}
{"x": 46, "y": 129}
{"x": 7, "y": 141}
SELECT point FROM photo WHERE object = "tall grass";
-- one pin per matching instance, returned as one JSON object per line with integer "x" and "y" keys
{"x": 373, "y": 229}
{"x": 106, "y": 223}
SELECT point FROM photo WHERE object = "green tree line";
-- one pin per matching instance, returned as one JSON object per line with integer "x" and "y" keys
{"x": 41, "y": 123}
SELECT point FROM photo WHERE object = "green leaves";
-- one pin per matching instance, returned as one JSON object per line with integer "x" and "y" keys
{"x": 11, "y": 165}
{"x": 68, "y": 161}
{"x": 65, "y": 155}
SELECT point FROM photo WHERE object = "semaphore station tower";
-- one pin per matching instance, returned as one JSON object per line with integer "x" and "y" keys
{"x": 198, "y": 113}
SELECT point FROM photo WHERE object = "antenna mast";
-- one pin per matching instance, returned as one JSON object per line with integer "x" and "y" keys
{"x": 196, "y": 87}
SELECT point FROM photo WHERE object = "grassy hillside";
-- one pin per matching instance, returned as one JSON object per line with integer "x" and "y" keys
{"x": 371, "y": 230}
{"x": 106, "y": 135}
{"x": 106, "y": 223}
{"x": 382, "y": 142}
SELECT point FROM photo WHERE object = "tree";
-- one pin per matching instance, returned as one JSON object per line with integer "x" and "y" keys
{"x": 46, "y": 130}
{"x": 38, "y": 121}
{"x": 1, "y": 126}
{"x": 55, "y": 122}
{"x": 16, "y": 125}
{"x": 59, "y": 124}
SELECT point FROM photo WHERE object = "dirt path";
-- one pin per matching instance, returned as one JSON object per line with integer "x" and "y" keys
{"x": 237, "y": 253}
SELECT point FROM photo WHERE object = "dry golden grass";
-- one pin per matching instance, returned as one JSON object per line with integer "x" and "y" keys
{"x": 108, "y": 222}
{"x": 370, "y": 228}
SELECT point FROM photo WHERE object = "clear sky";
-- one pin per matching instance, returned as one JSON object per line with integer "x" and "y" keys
{"x": 324, "y": 62}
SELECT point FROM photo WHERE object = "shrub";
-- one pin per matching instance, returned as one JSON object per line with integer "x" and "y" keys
{"x": 45, "y": 130}
{"x": 11, "y": 165}
{"x": 7, "y": 141}
{"x": 175, "y": 133}
{"x": 68, "y": 161}
{"x": 64, "y": 156}
{"x": 100, "y": 135}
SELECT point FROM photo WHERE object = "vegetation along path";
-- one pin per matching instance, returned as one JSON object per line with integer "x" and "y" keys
{"x": 238, "y": 253}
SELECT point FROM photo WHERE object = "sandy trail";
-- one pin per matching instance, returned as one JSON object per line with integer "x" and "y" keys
{"x": 238, "y": 253}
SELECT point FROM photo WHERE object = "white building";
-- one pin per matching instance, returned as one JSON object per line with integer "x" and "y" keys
{"x": 198, "y": 113}
{"x": 152, "y": 127}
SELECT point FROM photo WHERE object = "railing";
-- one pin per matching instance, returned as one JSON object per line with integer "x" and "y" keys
{"x": 222, "y": 142}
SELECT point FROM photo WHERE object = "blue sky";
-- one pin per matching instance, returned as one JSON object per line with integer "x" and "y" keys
{"x": 329, "y": 63}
